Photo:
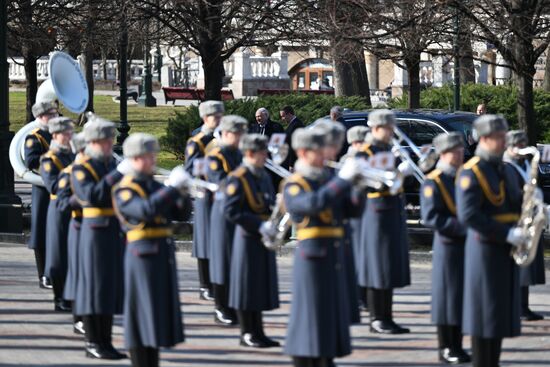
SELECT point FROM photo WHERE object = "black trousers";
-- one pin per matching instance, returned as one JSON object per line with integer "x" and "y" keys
{"x": 98, "y": 329}
{"x": 58, "y": 285}
{"x": 144, "y": 357}
{"x": 40, "y": 258}
{"x": 486, "y": 351}
{"x": 524, "y": 299}
{"x": 380, "y": 303}
{"x": 204, "y": 274}
{"x": 449, "y": 336}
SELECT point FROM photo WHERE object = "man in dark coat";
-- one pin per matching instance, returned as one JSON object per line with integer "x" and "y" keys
{"x": 253, "y": 284}
{"x": 211, "y": 113}
{"x": 318, "y": 201}
{"x": 534, "y": 273}
{"x": 488, "y": 201}
{"x": 52, "y": 163}
{"x": 99, "y": 293}
{"x": 264, "y": 125}
{"x": 219, "y": 163}
{"x": 67, "y": 202}
{"x": 438, "y": 211}
{"x": 293, "y": 123}
{"x": 36, "y": 144}
{"x": 385, "y": 256}
{"x": 145, "y": 207}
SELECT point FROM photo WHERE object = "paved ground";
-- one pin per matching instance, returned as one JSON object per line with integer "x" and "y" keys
{"x": 31, "y": 334}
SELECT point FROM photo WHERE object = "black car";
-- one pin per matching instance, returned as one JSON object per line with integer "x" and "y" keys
{"x": 421, "y": 126}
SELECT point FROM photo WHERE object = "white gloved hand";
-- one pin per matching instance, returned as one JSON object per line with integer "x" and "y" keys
{"x": 350, "y": 170}
{"x": 178, "y": 178}
{"x": 405, "y": 168}
{"x": 515, "y": 237}
{"x": 267, "y": 230}
{"x": 124, "y": 167}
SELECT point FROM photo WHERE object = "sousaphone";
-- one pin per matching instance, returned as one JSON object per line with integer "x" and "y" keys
{"x": 67, "y": 85}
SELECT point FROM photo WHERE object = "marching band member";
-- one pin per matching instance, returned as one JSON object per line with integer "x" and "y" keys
{"x": 534, "y": 273}
{"x": 99, "y": 290}
{"x": 318, "y": 329}
{"x": 66, "y": 201}
{"x": 335, "y": 133}
{"x": 211, "y": 113}
{"x": 253, "y": 286}
{"x": 220, "y": 162}
{"x": 356, "y": 139}
{"x": 145, "y": 207}
{"x": 52, "y": 163}
{"x": 438, "y": 211}
{"x": 36, "y": 144}
{"x": 385, "y": 257}
{"x": 489, "y": 203}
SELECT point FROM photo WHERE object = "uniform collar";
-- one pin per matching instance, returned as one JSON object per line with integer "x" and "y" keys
{"x": 446, "y": 168}
{"x": 96, "y": 155}
{"x": 492, "y": 158}
{"x": 310, "y": 172}
{"x": 206, "y": 131}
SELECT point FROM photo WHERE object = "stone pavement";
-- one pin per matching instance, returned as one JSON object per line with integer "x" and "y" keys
{"x": 31, "y": 334}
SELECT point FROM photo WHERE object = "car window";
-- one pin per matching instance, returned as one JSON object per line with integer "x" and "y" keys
{"x": 465, "y": 127}
{"x": 423, "y": 132}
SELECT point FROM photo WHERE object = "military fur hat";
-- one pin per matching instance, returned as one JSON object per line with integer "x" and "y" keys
{"x": 488, "y": 124}
{"x": 98, "y": 128}
{"x": 78, "y": 142}
{"x": 516, "y": 137}
{"x": 207, "y": 108}
{"x": 234, "y": 124}
{"x": 139, "y": 144}
{"x": 60, "y": 124}
{"x": 444, "y": 142}
{"x": 357, "y": 133}
{"x": 381, "y": 118}
{"x": 335, "y": 132}
{"x": 40, "y": 108}
{"x": 253, "y": 142}
{"x": 308, "y": 139}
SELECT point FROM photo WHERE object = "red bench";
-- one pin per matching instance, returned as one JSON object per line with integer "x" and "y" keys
{"x": 193, "y": 94}
{"x": 271, "y": 92}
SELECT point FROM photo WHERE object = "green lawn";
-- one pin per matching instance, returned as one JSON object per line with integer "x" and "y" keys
{"x": 141, "y": 119}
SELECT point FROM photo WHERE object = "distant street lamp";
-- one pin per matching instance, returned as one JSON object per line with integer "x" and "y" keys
{"x": 456, "y": 50}
{"x": 123, "y": 126}
{"x": 10, "y": 204}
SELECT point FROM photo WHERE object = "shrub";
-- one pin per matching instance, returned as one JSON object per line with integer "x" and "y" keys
{"x": 500, "y": 99}
{"x": 307, "y": 107}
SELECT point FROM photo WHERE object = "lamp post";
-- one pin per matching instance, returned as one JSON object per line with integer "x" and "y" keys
{"x": 10, "y": 204}
{"x": 123, "y": 126}
{"x": 147, "y": 99}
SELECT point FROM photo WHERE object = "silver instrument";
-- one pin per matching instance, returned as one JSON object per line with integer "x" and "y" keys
{"x": 66, "y": 84}
{"x": 426, "y": 161}
{"x": 280, "y": 220}
{"x": 278, "y": 155}
{"x": 533, "y": 217}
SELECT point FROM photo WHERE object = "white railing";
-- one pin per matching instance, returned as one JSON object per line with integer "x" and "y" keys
{"x": 265, "y": 67}
{"x": 110, "y": 72}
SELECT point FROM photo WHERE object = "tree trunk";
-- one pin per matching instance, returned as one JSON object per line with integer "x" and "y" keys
{"x": 526, "y": 108}
{"x": 350, "y": 70}
{"x": 214, "y": 72}
{"x": 32, "y": 82}
{"x": 466, "y": 54}
{"x": 546, "y": 81}
{"x": 89, "y": 73}
{"x": 413, "y": 70}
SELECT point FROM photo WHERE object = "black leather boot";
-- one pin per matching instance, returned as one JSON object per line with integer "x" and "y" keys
{"x": 259, "y": 330}
{"x": 153, "y": 357}
{"x": 363, "y": 302}
{"x": 249, "y": 338}
{"x": 455, "y": 337}
{"x": 450, "y": 345}
{"x": 223, "y": 315}
{"x": 105, "y": 326}
{"x": 526, "y": 313}
{"x": 205, "y": 291}
{"x": 380, "y": 306}
{"x": 78, "y": 325}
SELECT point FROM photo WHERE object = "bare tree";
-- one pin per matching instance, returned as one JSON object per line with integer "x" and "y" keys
{"x": 520, "y": 31}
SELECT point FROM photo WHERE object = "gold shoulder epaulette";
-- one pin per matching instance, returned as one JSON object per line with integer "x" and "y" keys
{"x": 68, "y": 169}
{"x": 435, "y": 173}
{"x": 295, "y": 177}
{"x": 471, "y": 163}
{"x": 197, "y": 137}
{"x": 213, "y": 152}
{"x": 126, "y": 180}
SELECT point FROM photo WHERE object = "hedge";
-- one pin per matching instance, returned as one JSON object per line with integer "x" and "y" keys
{"x": 307, "y": 107}
{"x": 500, "y": 99}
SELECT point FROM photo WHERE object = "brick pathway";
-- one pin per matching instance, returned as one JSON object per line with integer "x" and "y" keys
{"x": 31, "y": 334}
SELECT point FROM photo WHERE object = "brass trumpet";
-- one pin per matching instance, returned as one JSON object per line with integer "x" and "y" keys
{"x": 426, "y": 161}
